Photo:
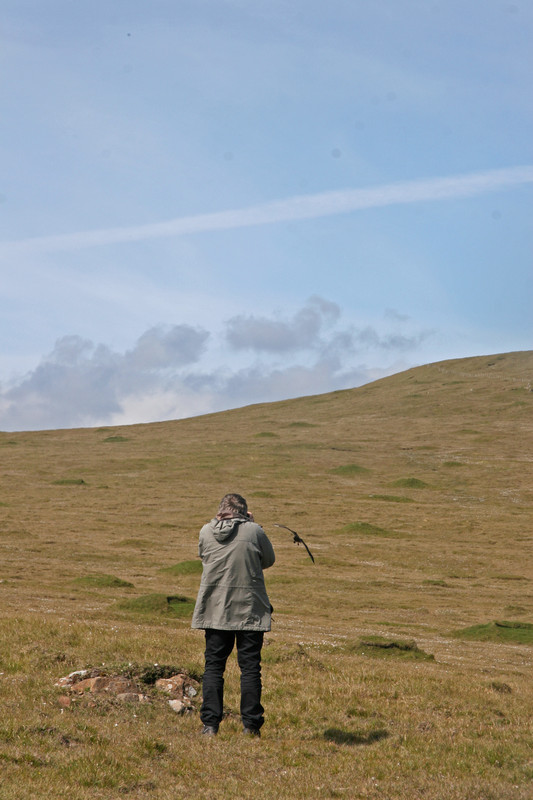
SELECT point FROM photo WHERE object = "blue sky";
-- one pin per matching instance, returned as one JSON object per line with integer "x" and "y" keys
{"x": 212, "y": 203}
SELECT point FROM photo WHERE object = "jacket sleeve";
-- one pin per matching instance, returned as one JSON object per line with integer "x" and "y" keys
{"x": 200, "y": 544}
{"x": 267, "y": 551}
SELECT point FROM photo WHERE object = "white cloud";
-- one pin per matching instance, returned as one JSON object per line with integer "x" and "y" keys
{"x": 165, "y": 374}
{"x": 293, "y": 208}
{"x": 282, "y": 336}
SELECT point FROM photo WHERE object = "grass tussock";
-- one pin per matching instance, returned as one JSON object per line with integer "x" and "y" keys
{"x": 191, "y": 567}
{"x": 512, "y": 632}
{"x": 367, "y": 529}
{"x": 391, "y": 498}
{"x": 102, "y": 581}
{"x": 159, "y": 604}
{"x": 349, "y": 470}
{"x": 381, "y": 647}
{"x": 410, "y": 483}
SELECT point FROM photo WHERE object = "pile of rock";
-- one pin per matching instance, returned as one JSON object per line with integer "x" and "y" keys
{"x": 179, "y": 688}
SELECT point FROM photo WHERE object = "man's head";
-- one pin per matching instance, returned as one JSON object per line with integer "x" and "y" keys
{"x": 232, "y": 505}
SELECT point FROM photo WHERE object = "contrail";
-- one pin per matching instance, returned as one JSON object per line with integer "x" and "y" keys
{"x": 299, "y": 207}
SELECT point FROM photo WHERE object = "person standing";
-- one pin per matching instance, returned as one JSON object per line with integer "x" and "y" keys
{"x": 233, "y": 606}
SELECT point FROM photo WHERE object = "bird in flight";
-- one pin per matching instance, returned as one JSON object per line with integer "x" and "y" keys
{"x": 297, "y": 538}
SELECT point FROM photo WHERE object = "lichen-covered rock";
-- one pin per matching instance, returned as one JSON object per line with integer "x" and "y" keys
{"x": 126, "y": 688}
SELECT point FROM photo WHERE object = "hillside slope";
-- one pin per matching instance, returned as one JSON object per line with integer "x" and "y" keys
{"x": 415, "y": 494}
{"x": 440, "y": 455}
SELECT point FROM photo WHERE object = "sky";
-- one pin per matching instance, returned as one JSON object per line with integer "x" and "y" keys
{"x": 211, "y": 203}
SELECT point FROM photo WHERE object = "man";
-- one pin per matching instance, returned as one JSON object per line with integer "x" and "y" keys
{"x": 232, "y": 605}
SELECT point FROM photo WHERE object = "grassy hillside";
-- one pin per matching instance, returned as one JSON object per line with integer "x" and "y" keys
{"x": 414, "y": 493}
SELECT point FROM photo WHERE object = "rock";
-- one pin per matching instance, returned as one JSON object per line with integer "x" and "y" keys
{"x": 101, "y": 683}
{"x": 178, "y": 706}
{"x": 172, "y": 685}
{"x": 132, "y": 697}
{"x": 91, "y": 682}
{"x": 86, "y": 685}
{"x": 74, "y": 677}
{"x": 179, "y": 686}
{"x": 119, "y": 686}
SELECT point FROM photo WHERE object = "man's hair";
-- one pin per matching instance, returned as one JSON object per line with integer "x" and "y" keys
{"x": 232, "y": 505}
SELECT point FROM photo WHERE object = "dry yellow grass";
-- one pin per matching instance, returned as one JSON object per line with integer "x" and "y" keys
{"x": 415, "y": 494}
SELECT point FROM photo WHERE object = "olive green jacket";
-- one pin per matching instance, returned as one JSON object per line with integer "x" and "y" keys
{"x": 232, "y": 594}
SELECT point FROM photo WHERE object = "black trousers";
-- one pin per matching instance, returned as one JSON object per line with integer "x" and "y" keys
{"x": 218, "y": 646}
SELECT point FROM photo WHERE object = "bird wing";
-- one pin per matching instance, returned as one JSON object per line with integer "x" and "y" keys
{"x": 297, "y": 538}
